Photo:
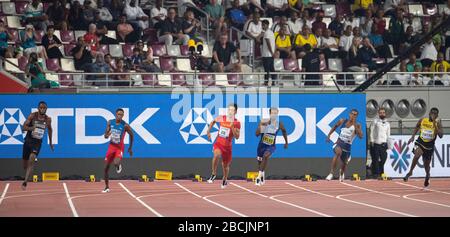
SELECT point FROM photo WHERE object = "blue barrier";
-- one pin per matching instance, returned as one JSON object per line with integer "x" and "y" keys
{"x": 174, "y": 125}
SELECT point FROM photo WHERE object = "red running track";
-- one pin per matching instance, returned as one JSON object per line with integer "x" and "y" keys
{"x": 186, "y": 198}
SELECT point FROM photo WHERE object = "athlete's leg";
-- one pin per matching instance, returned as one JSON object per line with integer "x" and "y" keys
{"x": 426, "y": 164}
{"x": 106, "y": 174}
{"x": 215, "y": 161}
{"x": 30, "y": 166}
{"x": 418, "y": 152}
{"x": 265, "y": 159}
{"x": 226, "y": 170}
{"x": 337, "y": 153}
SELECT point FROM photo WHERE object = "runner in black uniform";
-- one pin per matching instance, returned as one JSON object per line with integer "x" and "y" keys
{"x": 35, "y": 126}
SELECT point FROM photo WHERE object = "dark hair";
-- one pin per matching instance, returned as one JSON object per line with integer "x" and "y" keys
{"x": 234, "y": 105}
{"x": 355, "y": 110}
{"x": 434, "y": 109}
{"x": 42, "y": 102}
{"x": 307, "y": 47}
{"x": 50, "y": 27}
{"x": 381, "y": 108}
{"x": 120, "y": 109}
{"x": 270, "y": 109}
{"x": 266, "y": 22}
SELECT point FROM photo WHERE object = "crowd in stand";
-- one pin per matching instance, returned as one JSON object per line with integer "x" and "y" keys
{"x": 363, "y": 34}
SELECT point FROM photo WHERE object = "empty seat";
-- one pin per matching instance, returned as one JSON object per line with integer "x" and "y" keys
{"x": 178, "y": 80}
{"x": 9, "y": 8}
{"x": 206, "y": 79}
{"x": 67, "y": 65}
{"x": 11, "y": 65}
{"x": 68, "y": 48}
{"x": 184, "y": 50}
{"x": 207, "y": 51}
{"x": 415, "y": 9}
{"x": 128, "y": 50}
{"x": 335, "y": 64}
{"x": 431, "y": 9}
{"x": 221, "y": 80}
{"x": 329, "y": 10}
{"x": 22, "y": 63}
{"x": 166, "y": 64}
{"x": 233, "y": 79}
{"x": 151, "y": 35}
{"x": 67, "y": 36}
{"x": 278, "y": 64}
{"x": 173, "y": 50}
{"x": 111, "y": 34}
{"x": 290, "y": 64}
{"x": 38, "y": 34}
{"x": 15, "y": 36}
{"x": 164, "y": 80}
{"x": 103, "y": 48}
{"x": 14, "y": 22}
{"x": 159, "y": 49}
{"x": 20, "y": 7}
{"x": 66, "y": 80}
{"x": 184, "y": 64}
{"x": 79, "y": 33}
{"x": 116, "y": 50}
{"x": 53, "y": 64}
{"x": 150, "y": 80}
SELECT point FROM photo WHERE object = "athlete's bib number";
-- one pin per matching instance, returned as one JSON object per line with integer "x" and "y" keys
{"x": 346, "y": 135}
{"x": 268, "y": 139}
{"x": 115, "y": 137}
{"x": 224, "y": 132}
{"x": 427, "y": 134}
{"x": 38, "y": 133}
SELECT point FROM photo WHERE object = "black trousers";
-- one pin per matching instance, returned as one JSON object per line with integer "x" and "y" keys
{"x": 268, "y": 64}
{"x": 379, "y": 155}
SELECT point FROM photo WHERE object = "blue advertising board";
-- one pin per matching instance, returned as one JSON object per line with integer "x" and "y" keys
{"x": 173, "y": 125}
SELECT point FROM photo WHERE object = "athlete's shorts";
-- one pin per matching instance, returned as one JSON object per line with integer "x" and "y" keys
{"x": 262, "y": 149}
{"x": 112, "y": 153}
{"x": 30, "y": 147}
{"x": 346, "y": 151}
{"x": 225, "y": 151}
{"x": 427, "y": 151}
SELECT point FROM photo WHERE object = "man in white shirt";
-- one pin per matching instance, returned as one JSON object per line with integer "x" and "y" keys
{"x": 105, "y": 15}
{"x": 268, "y": 51}
{"x": 295, "y": 23}
{"x": 276, "y": 7}
{"x": 136, "y": 15}
{"x": 429, "y": 54}
{"x": 158, "y": 13}
{"x": 346, "y": 39}
{"x": 379, "y": 138}
{"x": 329, "y": 44}
{"x": 254, "y": 29}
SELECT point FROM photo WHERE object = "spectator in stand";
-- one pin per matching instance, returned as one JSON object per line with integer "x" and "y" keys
{"x": 126, "y": 32}
{"x": 91, "y": 38}
{"x": 336, "y": 26}
{"x": 52, "y": 43}
{"x": 318, "y": 24}
{"x": 390, "y": 6}
{"x": 440, "y": 62}
{"x": 5, "y": 50}
{"x": 237, "y": 16}
{"x": 283, "y": 45}
{"x": 345, "y": 42}
{"x": 329, "y": 45}
{"x": 35, "y": 71}
{"x": 413, "y": 63}
{"x": 136, "y": 59}
{"x": 296, "y": 6}
{"x": 350, "y": 20}
{"x": 116, "y": 8}
{"x": 305, "y": 37}
{"x": 158, "y": 14}
{"x": 76, "y": 17}
{"x": 110, "y": 61}
{"x": 283, "y": 22}
{"x": 361, "y": 6}
{"x": 295, "y": 23}
{"x": 222, "y": 51}
{"x": 34, "y": 15}
{"x": 311, "y": 63}
{"x": 429, "y": 54}
{"x": 377, "y": 41}
{"x": 318, "y": 33}
{"x": 171, "y": 30}
{"x": 354, "y": 63}
{"x": 140, "y": 46}
{"x": 268, "y": 53}
{"x": 29, "y": 44}
{"x": 366, "y": 54}
{"x": 442, "y": 79}
{"x": 58, "y": 14}
{"x": 136, "y": 15}
{"x": 88, "y": 12}
{"x": 254, "y": 29}
{"x": 380, "y": 22}
{"x": 148, "y": 65}
{"x": 191, "y": 26}
{"x": 396, "y": 31}
{"x": 408, "y": 40}
{"x": 100, "y": 66}
{"x": 366, "y": 24}
{"x": 103, "y": 12}
{"x": 121, "y": 80}
{"x": 276, "y": 8}
{"x": 82, "y": 56}
{"x": 216, "y": 14}
{"x": 102, "y": 31}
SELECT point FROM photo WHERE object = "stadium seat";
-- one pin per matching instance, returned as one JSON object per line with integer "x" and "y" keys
{"x": 53, "y": 64}
{"x": 343, "y": 8}
{"x": 249, "y": 80}
{"x": 184, "y": 50}
{"x": 15, "y": 36}
{"x": 151, "y": 36}
{"x": 67, "y": 65}
{"x": 327, "y": 20}
{"x": 150, "y": 80}
{"x": 52, "y": 77}
{"x": 14, "y": 22}
{"x": 329, "y": 10}
{"x": 178, "y": 80}
{"x": 67, "y": 36}
{"x": 415, "y": 9}
{"x": 173, "y": 50}
{"x": 290, "y": 65}
{"x": 278, "y": 64}
{"x": 116, "y": 50}
{"x": 128, "y": 50}
{"x": 206, "y": 79}
{"x": 184, "y": 64}
{"x": 111, "y": 34}
{"x": 68, "y": 48}
{"x": 9, "y": 8}
{"x": 20, "y": 7}
{"x": 38, "y": 36}
{"x": 166, "y": 64}
{"x": 57, "y": 33}
{"x": 221, "y": 80}
{"x": 299, "y": 63}
{"x": 159, "y": 49}
{"x": 207, "y": 51}
{"x": 164, "y": 80}
{"x": 335, "y": 64}
{"x": 22, "y": 62}
{"x": 430, "y": 9}
{"x": 103, "y": 48}
{"x": 233, "y": 79}
{"x": 66, "y": 80}
{"x": 137, "y": 79}
{"x": 11, "y": 65}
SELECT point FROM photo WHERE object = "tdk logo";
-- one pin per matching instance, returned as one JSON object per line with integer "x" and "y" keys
{"x": 11, "y": 120}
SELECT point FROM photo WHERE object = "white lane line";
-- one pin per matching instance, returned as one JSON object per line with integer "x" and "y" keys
{"x": 354, "y": 202}
{"x": 420, "y": 200}
{"x": 422, "y": 188}
{"x": 371, "y": 190}
{"x": 280, "y": 201}
{"x": 140, "y": 201}
{"x": 69, "y": 199}
{"x": 206, "y": 199}
{"x": 4, "y": 193}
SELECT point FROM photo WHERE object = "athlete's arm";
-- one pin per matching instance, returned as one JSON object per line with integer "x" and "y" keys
{"x": 438, "y": 126}
{"x": 209, "y": 129}
{"x": 283, "y": 131}
{"x": 236, "y": 131}
{"x": 28, "y": 121}
{"x": 50, "y": 132}
{"x": 359, "y": 130}
{"x": 108, "y": 130}
{"x": 339, "y": 123}
{"x": 416, "y": 129}
{"x": 130, "y": 132}
{"x": 258, "y": 129}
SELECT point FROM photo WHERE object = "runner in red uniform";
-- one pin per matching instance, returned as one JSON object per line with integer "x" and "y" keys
{"x": 115, "y": 131}
{"x": 229, "y": 129}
